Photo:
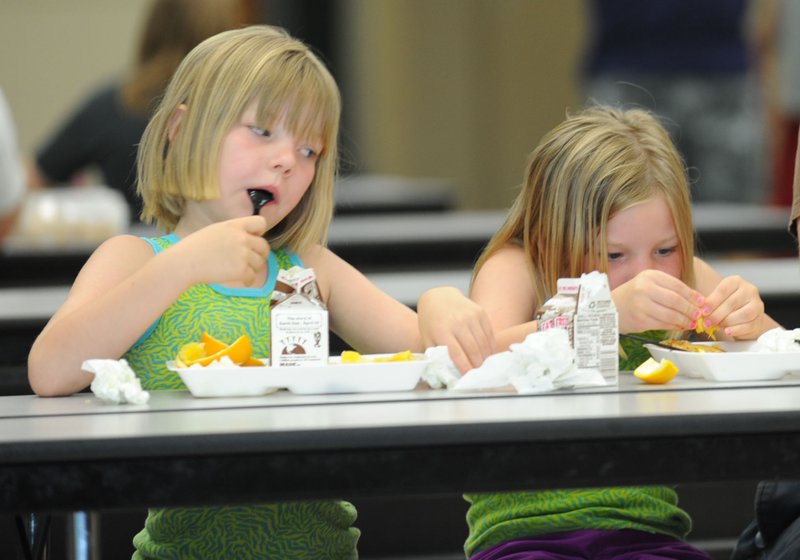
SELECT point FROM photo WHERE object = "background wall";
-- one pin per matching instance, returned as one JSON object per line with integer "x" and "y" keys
{"x": 458, "y": 89}
{"x": 54, "y": 53}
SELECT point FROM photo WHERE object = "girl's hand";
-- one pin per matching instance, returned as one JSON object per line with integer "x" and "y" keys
{"x": 736, "y": 306}
{"x": 229, "y": 251}
{"x": 655, "y": 300}
{"x": 448, "y": 318}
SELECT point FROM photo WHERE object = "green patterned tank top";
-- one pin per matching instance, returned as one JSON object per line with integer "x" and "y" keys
{"x": 497, "y": 518}
{"x": 293, "y": 530}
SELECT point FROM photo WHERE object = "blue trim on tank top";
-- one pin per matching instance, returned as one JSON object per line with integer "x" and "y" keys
{"x": 265, "y": 290}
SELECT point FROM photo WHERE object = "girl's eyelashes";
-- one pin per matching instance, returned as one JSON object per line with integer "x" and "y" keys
{"x": 306, "y": 151}
{"x": 615, "y": 256}
{"x": 309, "y": 153}
{"x": 260, "y": 131}
{"x": 665, "y": 252}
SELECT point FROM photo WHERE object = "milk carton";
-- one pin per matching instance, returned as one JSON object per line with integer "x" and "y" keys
{"x": 583, "y": 306}
{"x": 299, "y": 320}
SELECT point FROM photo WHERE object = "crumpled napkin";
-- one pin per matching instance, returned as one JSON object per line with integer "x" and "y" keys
{"x": 115, "y": 382}
{"x": 441, "y": 371}
{"x": 544, "y": 361}
{"x": 779, "y": 340}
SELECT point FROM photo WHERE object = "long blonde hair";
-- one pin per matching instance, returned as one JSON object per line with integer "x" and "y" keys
{"x": 171, "y": 29}
{"x": 583, "y": 172}
{"x": 216, "y": 82}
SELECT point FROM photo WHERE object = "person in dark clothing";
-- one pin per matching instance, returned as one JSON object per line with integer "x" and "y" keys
{"x": 103, "y": 133}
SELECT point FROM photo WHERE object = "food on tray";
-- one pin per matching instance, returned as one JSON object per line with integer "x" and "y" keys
{"x": 353, "y": 357}
{"x": 701, "y": 328}
{"x": 652, "y": 371}
{"x": 687, "y": 346}
{"x": 211, "y": 350}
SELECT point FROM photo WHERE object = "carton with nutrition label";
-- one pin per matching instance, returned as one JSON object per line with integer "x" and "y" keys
{"x": 299, "y": 320}
{"x": 583, "y": 306}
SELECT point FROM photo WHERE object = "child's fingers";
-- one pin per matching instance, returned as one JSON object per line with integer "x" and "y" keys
{"x": 256, "y": 225}
{"x": 459, "y": 357}
{"x": 477, "y": 345}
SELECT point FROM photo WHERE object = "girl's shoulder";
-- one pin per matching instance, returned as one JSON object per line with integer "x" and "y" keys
{"x": 510, "y": 258}
{"x": 124, "y": 244}
{"x": 317, "y": 256}
{"x": 124, "y": 249}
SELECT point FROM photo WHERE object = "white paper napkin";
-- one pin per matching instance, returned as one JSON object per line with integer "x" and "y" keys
{"x": 544, "y": 361}
{"x": 779, "y": 340}
{"x": 115, "y": 382}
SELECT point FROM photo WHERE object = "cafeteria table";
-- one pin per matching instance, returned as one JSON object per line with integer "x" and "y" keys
{"x": 77, "y": 453}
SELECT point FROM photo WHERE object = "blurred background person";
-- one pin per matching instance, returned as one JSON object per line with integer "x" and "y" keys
{"x": 778, "y": 47}
{"x": 12, "y": 177}
{"x": 102, "y": 134}
{"x": 691, "y": 63}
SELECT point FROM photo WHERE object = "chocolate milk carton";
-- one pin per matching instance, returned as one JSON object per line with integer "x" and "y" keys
{"x": 583, "y": 306}
{"x": 299, "y": 320}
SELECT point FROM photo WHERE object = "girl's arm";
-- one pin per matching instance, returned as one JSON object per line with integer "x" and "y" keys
{"x": 503, "y": 287}
{"x": 365, "y": 317}
{"x": 373, "y": 322}
{"x": 120, "y": 291}
{"x": 124, "y": 287}
{"x": 732, "y": 303}
{"x": 448, "y": 318}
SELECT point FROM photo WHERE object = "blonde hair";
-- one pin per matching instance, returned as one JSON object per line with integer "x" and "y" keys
{"x": 583, "y": 172}
{"x": 171, "y": 29}
{"x": 215, "y": 83}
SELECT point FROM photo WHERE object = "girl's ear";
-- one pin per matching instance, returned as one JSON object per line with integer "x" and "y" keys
{"x": 175, "y": 121}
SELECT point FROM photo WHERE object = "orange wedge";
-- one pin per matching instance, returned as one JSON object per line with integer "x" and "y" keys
{"x": 351, "y": 357}
{"x": 405, "y": 356}
{"x": 212, "y": 345}
{"x": 189, "y": 354}
{"x": 253, "y": 362}
{"x": 196, "y": 352}
{"x": 652, "y": 371}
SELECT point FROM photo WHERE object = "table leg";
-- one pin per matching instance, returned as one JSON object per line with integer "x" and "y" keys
{"x": 33, "y": 530}
{"x": 83, "y": 535}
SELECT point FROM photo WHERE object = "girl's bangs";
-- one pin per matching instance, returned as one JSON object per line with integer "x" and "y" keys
{"x": 307, "y": 106}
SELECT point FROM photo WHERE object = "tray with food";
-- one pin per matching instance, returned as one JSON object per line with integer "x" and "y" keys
{"x": 727, "y": 361}
{"x": 349, "y": 373}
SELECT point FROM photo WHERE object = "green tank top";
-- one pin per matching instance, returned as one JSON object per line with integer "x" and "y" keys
{"x": 290, "y": 530}
{"x": 497, "y": 518}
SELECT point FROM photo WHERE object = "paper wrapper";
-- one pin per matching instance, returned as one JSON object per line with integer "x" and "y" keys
{"x": 115, "y": 382}
{"x": 779, "y": 340}
{"x": 544, "y": 361}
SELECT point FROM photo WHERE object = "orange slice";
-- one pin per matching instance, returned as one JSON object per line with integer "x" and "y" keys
{"x": 352, "y": 357}
{"x": 196, "y": 353}
{"x": 405, "y": 356}
{"x": 212, "y": 345}
{"x": 189, "y": 354}
{"x": 238, "y": 352}
{"x": 652, "y": 371}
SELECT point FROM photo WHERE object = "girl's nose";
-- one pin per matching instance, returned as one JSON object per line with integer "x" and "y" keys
{"x": 283, "y": 158}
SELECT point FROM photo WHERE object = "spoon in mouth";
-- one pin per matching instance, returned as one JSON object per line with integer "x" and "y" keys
{"x": 259, "y": 199}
